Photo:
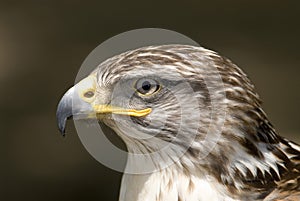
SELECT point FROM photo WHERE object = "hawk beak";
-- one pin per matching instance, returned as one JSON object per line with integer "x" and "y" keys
{"x": 72, "y": 105}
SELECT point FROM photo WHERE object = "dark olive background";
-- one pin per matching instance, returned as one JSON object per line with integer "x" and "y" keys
{"x": 43, "y": 43}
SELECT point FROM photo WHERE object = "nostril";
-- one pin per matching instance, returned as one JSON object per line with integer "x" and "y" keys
{"x": 88, "y": 94}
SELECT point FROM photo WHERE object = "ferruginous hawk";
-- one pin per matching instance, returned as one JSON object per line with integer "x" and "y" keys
{"x": 197, "y": 116}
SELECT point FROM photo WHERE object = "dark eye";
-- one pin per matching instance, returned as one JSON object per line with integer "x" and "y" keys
{"x": 146, "y": 86}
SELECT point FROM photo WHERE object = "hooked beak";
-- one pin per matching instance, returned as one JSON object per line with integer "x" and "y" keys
{"x": 73, "y": 105}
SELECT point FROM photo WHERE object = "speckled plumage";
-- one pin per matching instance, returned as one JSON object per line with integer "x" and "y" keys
{"x": 230, "y": 150}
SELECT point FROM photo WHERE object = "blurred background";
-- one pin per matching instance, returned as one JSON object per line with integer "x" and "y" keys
{"x": 43, "y": 43}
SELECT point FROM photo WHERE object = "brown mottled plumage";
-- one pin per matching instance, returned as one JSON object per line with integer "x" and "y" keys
{"x": 225, "y": 147}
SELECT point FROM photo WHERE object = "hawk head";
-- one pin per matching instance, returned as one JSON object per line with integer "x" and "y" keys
{"x": 156, "y": 97}
{"x": 186, "y": 106}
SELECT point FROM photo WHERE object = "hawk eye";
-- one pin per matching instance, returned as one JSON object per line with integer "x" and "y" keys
{"x": 146, "y": 86}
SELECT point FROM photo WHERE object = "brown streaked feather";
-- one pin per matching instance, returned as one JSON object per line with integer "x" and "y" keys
{"x": 288, "y": 188}
{"x": 270, "y": 167}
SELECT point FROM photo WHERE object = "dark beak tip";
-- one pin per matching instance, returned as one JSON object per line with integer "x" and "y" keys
{"x": 63, "y": 134}
{"x": 64, "y": 111}
{"x": 62, "y": 131}
{"x": 61, "y": 127}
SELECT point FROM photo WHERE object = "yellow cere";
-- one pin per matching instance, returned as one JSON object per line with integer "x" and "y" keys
{"x": 85, "y": 85}
{"x": 89, "y": 85}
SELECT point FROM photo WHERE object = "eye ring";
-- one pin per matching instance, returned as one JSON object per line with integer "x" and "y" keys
{"x": 147, "y": 86}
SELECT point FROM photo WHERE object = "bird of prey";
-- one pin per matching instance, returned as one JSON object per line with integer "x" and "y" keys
{"x": 197, "y": 117}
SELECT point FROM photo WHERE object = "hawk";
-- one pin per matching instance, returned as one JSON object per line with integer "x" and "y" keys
{"x": 197, "y": 118}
